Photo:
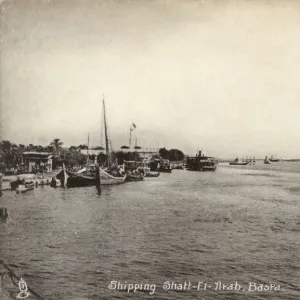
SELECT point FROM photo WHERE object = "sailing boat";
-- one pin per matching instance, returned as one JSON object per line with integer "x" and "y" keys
{"x": 111, "y": 175}
{"x": 273, "y": 159}
{"x": 90, "y": 177}
{"x": 236, "y": 162}
{"x": 266, "y": 161}
{"x": 83, "y": 177}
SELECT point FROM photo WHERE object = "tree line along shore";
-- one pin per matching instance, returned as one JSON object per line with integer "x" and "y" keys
{"x": 12, "y": 155}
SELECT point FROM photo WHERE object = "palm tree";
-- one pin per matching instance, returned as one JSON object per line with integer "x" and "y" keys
{"x": 56, "y": 143}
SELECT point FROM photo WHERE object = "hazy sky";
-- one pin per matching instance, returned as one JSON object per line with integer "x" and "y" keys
{"x": 224, "y": 75}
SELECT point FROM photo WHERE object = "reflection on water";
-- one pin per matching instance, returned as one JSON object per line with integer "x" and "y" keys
{"x": 237, "y": 224}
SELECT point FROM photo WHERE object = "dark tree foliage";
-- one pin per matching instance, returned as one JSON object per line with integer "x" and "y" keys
{"x": 121, "y": 156}
{"x": 101, "y": 158}
{"x": 176, "y": 155}
{"x": 172, "y": 155}
{"x": 164, "y": 153}
{"x": 11, "y": 155}
{"x": 73, "y": 148}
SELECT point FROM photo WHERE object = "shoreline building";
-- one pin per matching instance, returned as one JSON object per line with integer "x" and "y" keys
{"x": 144, "y": 153}
{"x": 38, "y": 160}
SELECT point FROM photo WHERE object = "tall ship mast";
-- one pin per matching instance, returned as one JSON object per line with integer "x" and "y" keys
{"x": 106, "y": 137}
{"x": 101, "y": 177}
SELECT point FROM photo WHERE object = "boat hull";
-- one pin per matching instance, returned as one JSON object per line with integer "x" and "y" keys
{"x": 23, "y": 188}
{"x": 108, "y": 179}
{"x": 75, "y": 180}
{"x": 206, "y": 169}
{"x": 163, "y": 170}
{"x": 16, "y": 183}
{"x": 55, "y": 183}
{"x": 133, "y": 177}
{"x": 239, "y": 163}
{"x": 79, "y": 180}
{"x": 152, "y": 174}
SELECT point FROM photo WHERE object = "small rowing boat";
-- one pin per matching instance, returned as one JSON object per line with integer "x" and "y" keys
{"x": 134, "y": 177}
{"x": 27, "y": 186}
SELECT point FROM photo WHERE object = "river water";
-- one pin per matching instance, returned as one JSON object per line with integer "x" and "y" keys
{"x": 237, "y": 225}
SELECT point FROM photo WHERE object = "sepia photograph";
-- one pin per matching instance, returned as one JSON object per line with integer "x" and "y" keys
{"x": 149, "y": 149}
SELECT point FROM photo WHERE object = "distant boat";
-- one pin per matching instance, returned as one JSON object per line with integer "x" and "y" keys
{"x": 266, "y": 161}
{"x": 146, "y": 171}
{"x": 251, "y": 161}
{"x": 201, "y": 163}
{"x": 160, "y": 165}
{"x": 273, "y": 159}
{"x": 236, "y": 162}
{"x": 22, "y": 185}
{"x": 27, "y": 186}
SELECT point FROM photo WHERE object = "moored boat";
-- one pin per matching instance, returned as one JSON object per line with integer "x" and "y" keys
{"x": 90, "y": 176}
{"x": 14, "y": 184}
{"x": 108, "y": 179}
{"x": 112, "y": 174}
{"x": 134, "y": 177}
{"x": 146, "y": 171}
{"x": 152, "y": 174}
{"x": 236, "y": 162}
{"x": 55, "y": 182}
{"x": 165, "y": 170}
{"x": 201, "y": 163}
{"x": 72, "y": 179}
{"x": 266, "y": 161}
{"x": 24, "y": 187}
{"x": 165, "y": 166}
{"x": 180, "y": 167}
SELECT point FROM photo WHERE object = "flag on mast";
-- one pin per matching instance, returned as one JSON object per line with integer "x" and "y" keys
{"x": 133, "y": 126}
